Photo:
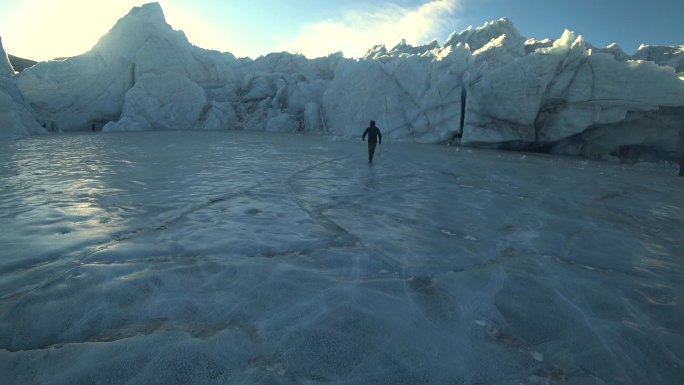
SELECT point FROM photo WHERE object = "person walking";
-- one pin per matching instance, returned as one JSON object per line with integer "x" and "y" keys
{"x": 374, "y": 138}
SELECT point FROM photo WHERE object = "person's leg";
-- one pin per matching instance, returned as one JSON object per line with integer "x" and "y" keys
{"x": 371, "y": 151}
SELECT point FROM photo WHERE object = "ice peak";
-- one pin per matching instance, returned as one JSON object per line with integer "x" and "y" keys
{"x": 401, "y": 49}
{"x": 580, "y": 42}
{"x": 672, "y": 56}
{"x": 149, "y": 8}
{"x": 478, "y": 37}
{"x": 140, "y": 25}
{"x": 5, "y": 65}
{"x": 565, "y": 40}
{"x": 612, "y": 49}
{"x": 501, "y": 22}
{"x": 151, "y": 13}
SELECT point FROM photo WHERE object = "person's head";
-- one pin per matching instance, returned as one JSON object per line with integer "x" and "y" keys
{"x": 372, "y": 123}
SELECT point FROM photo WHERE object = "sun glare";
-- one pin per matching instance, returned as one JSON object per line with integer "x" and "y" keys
{"x": 47, "y": 29}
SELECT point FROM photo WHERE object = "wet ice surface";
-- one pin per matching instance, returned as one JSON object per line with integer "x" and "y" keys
{"x": 215, "y": 258}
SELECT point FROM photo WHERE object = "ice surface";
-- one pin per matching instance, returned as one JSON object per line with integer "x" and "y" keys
{"x": 242, "y": 257}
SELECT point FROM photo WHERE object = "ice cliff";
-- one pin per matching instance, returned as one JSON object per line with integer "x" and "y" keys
{"x": 16, "y": 116}
{"x": 5, "y": 66}
{"x": 485, "y": 86}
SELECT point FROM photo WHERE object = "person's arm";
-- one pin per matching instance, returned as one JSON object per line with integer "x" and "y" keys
{"x": 379, "y": 137}
{"x": 363, "y": 137}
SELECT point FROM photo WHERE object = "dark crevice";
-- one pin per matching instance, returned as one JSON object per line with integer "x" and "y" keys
{"x": 461, "y": 123}
{"x": 464, "y": 95}
{"x": 642, "y": 153}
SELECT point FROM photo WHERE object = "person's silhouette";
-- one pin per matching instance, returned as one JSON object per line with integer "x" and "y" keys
{"x": 374, "y": 138}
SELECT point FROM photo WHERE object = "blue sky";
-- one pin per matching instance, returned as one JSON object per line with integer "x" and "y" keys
{"x": 44, "y": 29}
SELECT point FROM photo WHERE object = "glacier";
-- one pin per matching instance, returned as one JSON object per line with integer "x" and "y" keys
{"x": 226, "y": 230}
{"x": 486, "y": 86}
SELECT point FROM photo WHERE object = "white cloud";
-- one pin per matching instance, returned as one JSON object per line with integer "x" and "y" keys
{"x": 357, "y": 31}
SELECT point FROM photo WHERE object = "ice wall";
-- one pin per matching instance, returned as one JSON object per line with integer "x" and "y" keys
{"x": 282, "y": 92}
{"x": 16, "y": 116}
{"x": 414, "y": 97}
{"x": 556, "y": 94}
{"x": 485, "y": 86}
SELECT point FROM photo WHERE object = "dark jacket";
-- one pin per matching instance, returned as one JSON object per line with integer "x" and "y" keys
{"x": 373, "y": 133}
{"x": 681, "y": 160}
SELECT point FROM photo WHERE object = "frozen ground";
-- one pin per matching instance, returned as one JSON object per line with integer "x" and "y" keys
{"x": 251, "y": 258}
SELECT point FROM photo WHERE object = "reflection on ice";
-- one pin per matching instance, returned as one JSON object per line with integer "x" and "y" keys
{"x": 253, "y": 258}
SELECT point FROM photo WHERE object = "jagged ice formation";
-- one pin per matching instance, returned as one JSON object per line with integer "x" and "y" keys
{"x": 486, "y": 86}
